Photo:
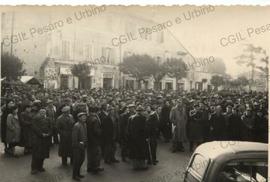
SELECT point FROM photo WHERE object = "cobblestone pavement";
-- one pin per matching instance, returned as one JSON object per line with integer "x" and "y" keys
{"x": 169, "y": 169}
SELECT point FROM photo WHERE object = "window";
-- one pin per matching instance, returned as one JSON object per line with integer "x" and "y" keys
{"x": 80, "y": 50}
{"x": 197, "y": 169}
{"x": 108, "y": 54}
{"x": 244, "y": 171}
{"x": 199, "y": 164}
{"x": 66, "y": 49}
{"x": 88, "y": 52}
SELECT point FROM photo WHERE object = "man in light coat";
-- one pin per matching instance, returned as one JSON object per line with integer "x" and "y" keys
{"x": 178, "y": 117}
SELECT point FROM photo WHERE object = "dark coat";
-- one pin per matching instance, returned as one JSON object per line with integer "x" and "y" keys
{"x": 234, "y": 127}
{"x": 138, "y": 134}
{"x": 205, "y": 123}
{"x": 6, "y": 111}
{"x": 218, "y": 127}
{"x": 93, "y": 130}
{"x": 26, "y": 120}
{"x": 248, "y": 127}
{"x": 261, "y": 129}
{"x": 124, "y": 117}
{"x": 152, "y": 125}
{"x": 107, "y": 128}
{"x": 196, "y": 127}
{"x": 64, "y": 124}
{"x": 41, "y": 144}
{"x": 79, "y": 136}
{"x": 165, "y": 115}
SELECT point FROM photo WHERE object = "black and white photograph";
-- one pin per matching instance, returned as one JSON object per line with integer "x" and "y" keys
{"x": 113, "y": 93}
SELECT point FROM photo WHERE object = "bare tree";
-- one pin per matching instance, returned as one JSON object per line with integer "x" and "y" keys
{"x": 248, "y": 58}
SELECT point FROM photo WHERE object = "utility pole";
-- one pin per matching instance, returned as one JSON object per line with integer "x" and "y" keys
{"x": 120, "y": 79}
{"x": 12, "y": 32}
{"x": 3, "y": 28}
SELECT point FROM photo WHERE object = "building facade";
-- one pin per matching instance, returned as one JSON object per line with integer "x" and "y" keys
{"x": 102, "y": 42}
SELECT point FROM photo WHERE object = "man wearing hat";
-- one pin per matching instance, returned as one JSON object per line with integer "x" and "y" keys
{"x": 138, "y": 139}
{"x": 51, "y": 113}
{"x": 107, "y": 134}
{"x": 79, "y": 143}
{"x": 26, "y": 124}
{"x": 42, "y": 130}
{"x": 195, "y": 127}
{"x": 124, "y": 118}
{"x": 178, "y": 117}
{"x": 64, "y": 125}
{"x": 165, "y": 123}
{"x": 234, "y": 123}
{"x": 152, "y": 133}
{"x": 248, "y": 120}
{"x": 84, "y": 100}
{"x": 217, "y": 124}
{"x": 9, "y": 105}
{"x": 94, "y": 141}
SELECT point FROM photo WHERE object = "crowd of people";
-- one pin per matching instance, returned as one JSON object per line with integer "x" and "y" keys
{"x": 99, "y": 122}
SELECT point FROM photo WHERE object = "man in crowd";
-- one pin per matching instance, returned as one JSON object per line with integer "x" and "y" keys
{"x": 107, "y": 134}
{"x": 195, "y": 127}
{"x": 42, "y": 131}
{"x": 233, "y": 122}
{"x": 51, "y": 113}
{"x": 178, "y": 117}
{"x": 217, "y": 124}
{"x": 152, "y": 132}
{"x": 79, "y": 144}
{"x": 124, "y": 137}
{"x": 6, "y": 111}
{"x": 26, "y": 124}
{"x": 94, "y": 142}
{"x": 138, "y": 136}
{"x": 64, "y": 125}
{"x": 165, "y": 123}
{"x": 248, "y": 120}
{"x": 113, "y": 114}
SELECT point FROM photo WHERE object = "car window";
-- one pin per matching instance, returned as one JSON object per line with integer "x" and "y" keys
{"x": 199, "y": 164}
{"x": 244, "y": 171}
{"x": 197, "y": 168}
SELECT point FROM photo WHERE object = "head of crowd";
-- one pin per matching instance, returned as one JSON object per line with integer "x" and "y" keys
{"x": 121, "y": 100}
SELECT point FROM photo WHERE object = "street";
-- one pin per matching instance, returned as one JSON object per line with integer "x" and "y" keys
{"x": 169, "y": 169}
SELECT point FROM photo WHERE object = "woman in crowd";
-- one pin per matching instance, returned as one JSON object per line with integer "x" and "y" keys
{"x": 13, "y": 132}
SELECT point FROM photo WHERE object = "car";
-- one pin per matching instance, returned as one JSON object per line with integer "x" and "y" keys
{"x": 228, "y": 161}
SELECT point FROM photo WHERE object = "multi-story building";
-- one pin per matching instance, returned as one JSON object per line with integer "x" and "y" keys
{"x": 102, "y": 41}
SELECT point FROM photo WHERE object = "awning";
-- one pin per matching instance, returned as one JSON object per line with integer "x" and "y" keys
{"x": 30, "y": 80}
{"x": 65, "y": 71}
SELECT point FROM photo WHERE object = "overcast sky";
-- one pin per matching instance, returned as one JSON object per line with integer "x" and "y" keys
{"x": 202, "y": 35}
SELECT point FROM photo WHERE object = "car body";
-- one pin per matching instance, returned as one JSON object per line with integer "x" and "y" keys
{"x": 228, "y": 161}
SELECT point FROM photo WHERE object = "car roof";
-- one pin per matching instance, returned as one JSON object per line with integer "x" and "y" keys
{"x": 216, "y": 149}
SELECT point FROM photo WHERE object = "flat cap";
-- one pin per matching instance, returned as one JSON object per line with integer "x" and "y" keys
{"x": 65, "y": 109}
{"x": 139, "y": 108}
{"x": 49, "y": 101}
{"x": 81, "y": 114}
{"x": 131, "y": 105}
